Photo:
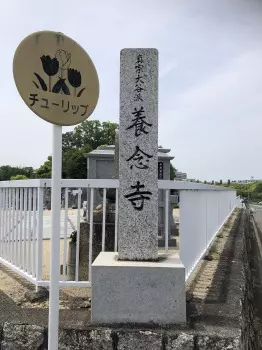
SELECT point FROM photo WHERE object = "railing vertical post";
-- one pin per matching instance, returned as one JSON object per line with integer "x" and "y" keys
{"x": 29, "y": 261}
{"x": 218, "y": 223}
{"x": 87, "y": 204}
{"x": 116, "y": 220}
{"x": 91, "y": 218}
{"x": 21, "y": 227}
{"x": 1, "y": 221}
{"x": 25, "y": 229}
{"x": 9, "y": 222}
{"x": 65, "y": 233}
{"x": 34, "y": 232}
{"x": 6, "y": 222}
{"x": 40, "y": 213}
{"x": 13, "y": 226}
{"x": 183, "y": 229}
{"x": 16, "y": 225}
{"x": 78, "y": 234}
{"x": 206, "y": 223}
{"x": 166, "y": 219}
{"x": 104, "y": 220}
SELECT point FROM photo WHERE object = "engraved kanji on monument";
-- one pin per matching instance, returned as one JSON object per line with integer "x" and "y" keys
{"x": 138, "y": 155}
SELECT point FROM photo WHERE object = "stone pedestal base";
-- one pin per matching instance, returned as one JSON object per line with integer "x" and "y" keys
{"x": 138, "y": 292}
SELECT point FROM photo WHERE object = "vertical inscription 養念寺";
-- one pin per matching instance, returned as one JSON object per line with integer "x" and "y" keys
{"x": 139, "y": 125}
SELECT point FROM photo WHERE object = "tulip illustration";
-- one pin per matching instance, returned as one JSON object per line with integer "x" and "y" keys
{"x": 50, "y": 67}
{"x": 59, "y": 86}
{"x": 64, "y": 59}
{"x": 74, "y": 78}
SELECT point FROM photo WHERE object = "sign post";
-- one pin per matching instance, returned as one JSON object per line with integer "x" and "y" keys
{"x": 58, "y": 81}
{"x": 53, "y": 321}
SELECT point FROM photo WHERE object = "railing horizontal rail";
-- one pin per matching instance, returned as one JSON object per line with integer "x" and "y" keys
{"x": 79, "y": 284}
{"x": 184, "y": 185}
{"x": 17, "y": 270}
{"x": 110, "y": 183}
{"x": 23, "y": 183}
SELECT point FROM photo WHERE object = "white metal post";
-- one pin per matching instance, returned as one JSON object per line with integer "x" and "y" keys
{"x": 166, "y": 219}
{"x": 39, "y": 267}
{"x": 6, "y": 221}
{"x": 16, "y": 223}
{"x": 10, "y": 223}
{"x": 116, "y": 220}
{"x": 29, "y": 261}
{"x": 91, "y": 217}
{"x": 34, "y": 234}
{"x": 13, "y": 226}
{"x": 78, "y": 234}
{"x": 1, "y": 221}
{"x": 206, "y": 218}
{"x": 25, "y": 229}
{"x": 104, "y": 220}
{"x": 65, "y": 233}
{"x": 53, "y": 321}
{"x": 21, "y": 227}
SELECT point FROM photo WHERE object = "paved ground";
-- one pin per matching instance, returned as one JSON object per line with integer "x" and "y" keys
{"x": 71, "y": 225}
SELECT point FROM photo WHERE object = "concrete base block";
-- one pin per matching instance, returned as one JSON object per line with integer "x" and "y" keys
{"x": 138, "y": 292}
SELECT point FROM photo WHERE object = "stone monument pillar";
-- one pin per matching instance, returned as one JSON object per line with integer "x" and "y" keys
{"x": 137, "y": 285}
{"x": 138, "y": 155}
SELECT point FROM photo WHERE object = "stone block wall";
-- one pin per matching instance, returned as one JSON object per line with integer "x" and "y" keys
{"x": 31, "y": 337}
{"x": 249, "y": 337}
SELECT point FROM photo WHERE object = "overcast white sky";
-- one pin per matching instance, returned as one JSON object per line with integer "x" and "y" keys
{"x": 210, "y": 86}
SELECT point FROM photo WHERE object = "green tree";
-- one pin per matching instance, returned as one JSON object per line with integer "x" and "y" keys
{"x": 74, "y": 164}
{"x": 45, "y": 170}
{"x": 86, "y": 137}
{"x": 19, "y": 177}
{"x": 172, "y": 172}
{"x": 68, "y": 141}
{"x": 90, "y": 133}
{"x": 8, "y": 171}
{"x": 252, "y": 190}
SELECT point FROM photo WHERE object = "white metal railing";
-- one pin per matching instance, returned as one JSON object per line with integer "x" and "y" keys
{"x": 202, "y": 214}
{"x": 21, "y": 226}
{"x": 25, "y": 225}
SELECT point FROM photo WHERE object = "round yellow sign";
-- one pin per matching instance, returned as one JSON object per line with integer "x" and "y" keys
{"x": 56, "y": 78}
